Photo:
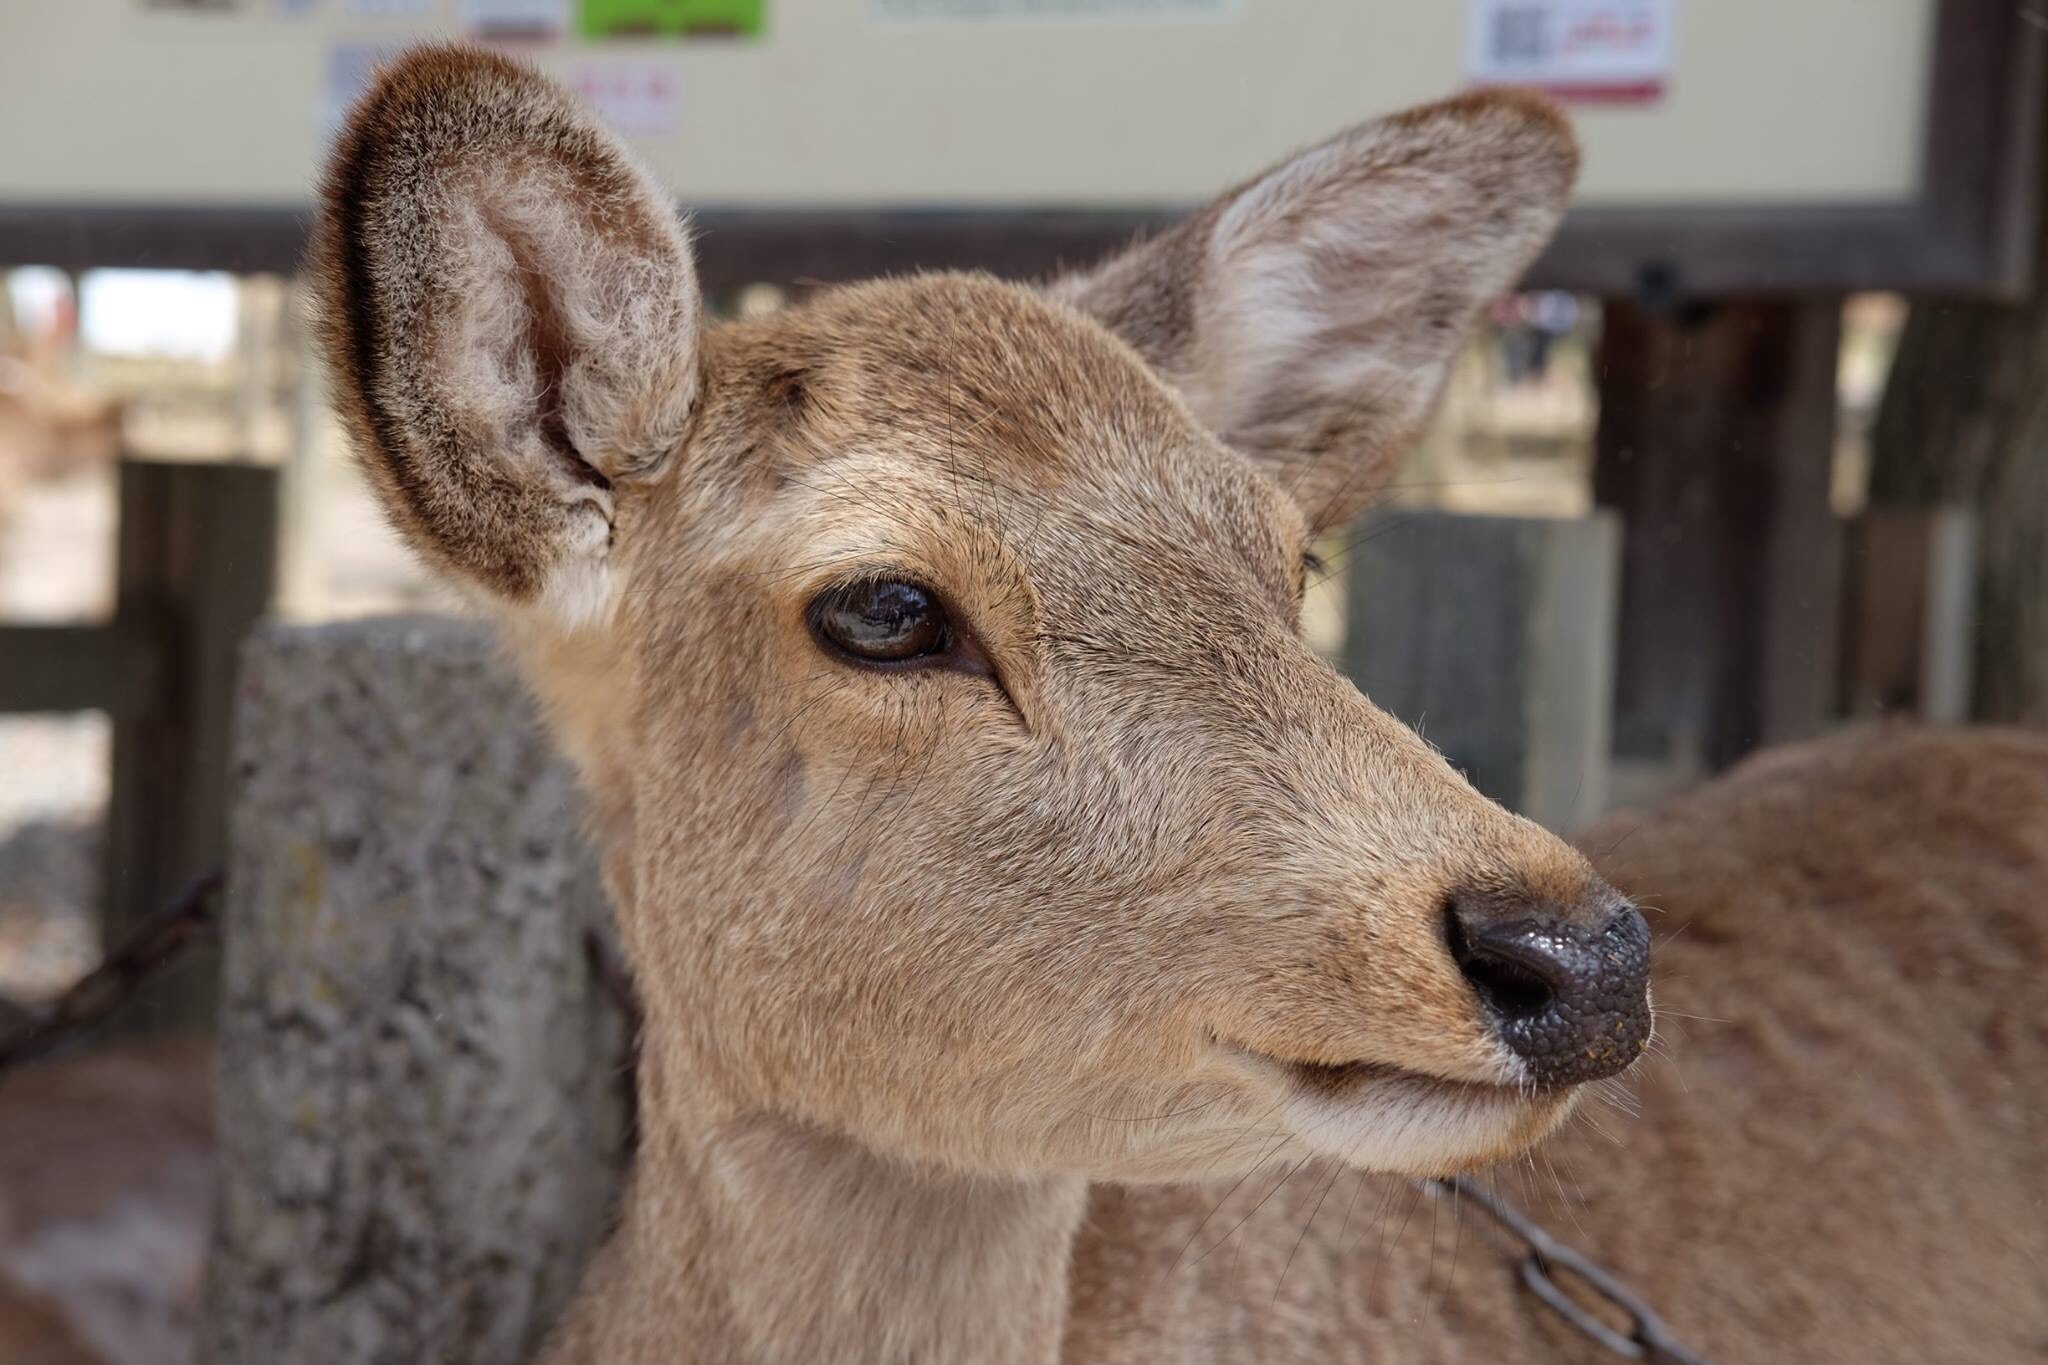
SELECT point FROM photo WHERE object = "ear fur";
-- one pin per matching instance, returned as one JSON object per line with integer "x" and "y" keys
{"x": 1309, "y": 316}
{"x": 510, "y": 314}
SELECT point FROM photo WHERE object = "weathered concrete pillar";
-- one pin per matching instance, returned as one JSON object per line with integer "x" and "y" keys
{"x": 420, "y": 1076}
{"x": 1495, "y": 637}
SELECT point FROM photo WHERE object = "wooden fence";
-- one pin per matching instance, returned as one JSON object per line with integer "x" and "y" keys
{"x": 195, "y": 564}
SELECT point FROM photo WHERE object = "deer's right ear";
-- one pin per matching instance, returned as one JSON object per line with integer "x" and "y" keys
{"x": 511, "y": 317}
{"x": 1310, "y": 316}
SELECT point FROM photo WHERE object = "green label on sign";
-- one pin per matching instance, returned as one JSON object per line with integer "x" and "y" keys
{"x": 671, "y": 18}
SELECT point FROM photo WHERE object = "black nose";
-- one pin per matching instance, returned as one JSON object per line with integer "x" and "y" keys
{"x": 1571, "y": 999}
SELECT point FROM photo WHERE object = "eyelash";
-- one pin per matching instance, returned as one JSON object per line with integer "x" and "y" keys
{"x": 1313, "y": 568}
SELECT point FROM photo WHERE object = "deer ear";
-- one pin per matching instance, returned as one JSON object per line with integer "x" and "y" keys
{"x": 1309, "y": 317}
{"x": 511, "y": 318}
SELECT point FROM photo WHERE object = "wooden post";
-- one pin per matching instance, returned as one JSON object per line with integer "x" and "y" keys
{"x": 421, "y": 1077}
{"x": 1909, "y": 613}
{"x": 196, "y": 565}
{"x": 1495, "y": 637}
{"x": 1716, "y": 446}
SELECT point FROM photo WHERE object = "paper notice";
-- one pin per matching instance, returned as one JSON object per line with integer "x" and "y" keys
{"x": 1602, "y": 51}
{"x": 515, "y": 19}
{"x": 640, "y": 99}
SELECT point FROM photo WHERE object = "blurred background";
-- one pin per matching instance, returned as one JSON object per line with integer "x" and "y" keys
{"x": 1754, "y": 451}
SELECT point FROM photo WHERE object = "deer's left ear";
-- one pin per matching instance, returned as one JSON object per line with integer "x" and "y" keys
{"x": 1309, "y": 317}
{"x": 511, "y": 319}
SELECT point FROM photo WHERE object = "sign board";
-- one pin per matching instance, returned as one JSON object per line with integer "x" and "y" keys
{"x": 1732, "y": 144}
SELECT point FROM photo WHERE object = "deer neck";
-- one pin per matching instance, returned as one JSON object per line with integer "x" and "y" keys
{"x": 755, "y": 1239}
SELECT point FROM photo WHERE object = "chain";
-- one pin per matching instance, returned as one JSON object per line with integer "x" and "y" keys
{"x": 1647, "y": 1338}
{"x": 149, "y": 947}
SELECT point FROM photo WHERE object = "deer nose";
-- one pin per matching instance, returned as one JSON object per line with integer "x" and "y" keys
{"x": 1570, "y": 998}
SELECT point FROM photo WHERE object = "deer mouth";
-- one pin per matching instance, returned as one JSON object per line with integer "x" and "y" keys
{"x": 1335, "y": 1080}
{"x": 1383, "y": 1117}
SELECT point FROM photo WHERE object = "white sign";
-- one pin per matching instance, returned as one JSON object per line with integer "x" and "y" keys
{"x": 1602, "y": 51}
{"x": 636, "y": 98}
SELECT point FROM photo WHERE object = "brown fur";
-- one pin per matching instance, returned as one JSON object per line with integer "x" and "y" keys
{"x": 925, "y": 953}
{"x": 1308, "y": 315}
{"x": 480, "y": 218}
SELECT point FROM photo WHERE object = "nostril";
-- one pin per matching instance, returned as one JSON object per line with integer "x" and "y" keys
{"x": 1512, "y": 991}
{"x": 1507, "y": 982}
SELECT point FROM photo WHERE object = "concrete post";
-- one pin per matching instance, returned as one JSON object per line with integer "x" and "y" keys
{"x": 420, "y": 1076}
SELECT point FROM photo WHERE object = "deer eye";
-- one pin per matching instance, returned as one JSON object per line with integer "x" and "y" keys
{"x": 881, "y": 622}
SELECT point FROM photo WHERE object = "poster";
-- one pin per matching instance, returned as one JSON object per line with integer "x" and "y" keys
{"x": 639, "y": 99}
{"x": 671, "y": 18}
{"x": 515, "y": 19}
{"x": 1596, "y": 51}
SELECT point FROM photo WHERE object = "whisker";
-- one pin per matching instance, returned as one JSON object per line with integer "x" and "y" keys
{"x": 1335, "y": 1171}
{"x": 1276, "y": 1144}
{"x": 1292, "y": 1171}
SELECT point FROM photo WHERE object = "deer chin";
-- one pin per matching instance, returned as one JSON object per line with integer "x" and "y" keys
{"x": 1384, "y": 1118}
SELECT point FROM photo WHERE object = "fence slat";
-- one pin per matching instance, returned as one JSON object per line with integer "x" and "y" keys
{"x": 1909, "y": 612}
{"x": 1494, "y": 636}
{"x": 196, "y": 566}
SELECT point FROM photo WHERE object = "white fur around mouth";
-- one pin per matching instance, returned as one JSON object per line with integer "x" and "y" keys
{"x": 1386, "y": 1118}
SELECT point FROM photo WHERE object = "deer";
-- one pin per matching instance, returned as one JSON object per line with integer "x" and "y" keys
{"x": 978, "y": 824}
{"x": 1015, "y": 900}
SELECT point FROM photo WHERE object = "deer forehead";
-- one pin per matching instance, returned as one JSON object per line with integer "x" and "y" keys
{"x": 977, "y": 430}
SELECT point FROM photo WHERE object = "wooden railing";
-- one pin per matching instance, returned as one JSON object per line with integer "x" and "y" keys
{"x": 195, "y": 566}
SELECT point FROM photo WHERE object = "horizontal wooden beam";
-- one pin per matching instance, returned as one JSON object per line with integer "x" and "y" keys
{"x": 76, "y": 668}
{"x": 1693, "y": 253}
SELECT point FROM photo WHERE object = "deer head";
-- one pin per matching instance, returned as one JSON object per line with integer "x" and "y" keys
{"x": 932, "y": 649}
